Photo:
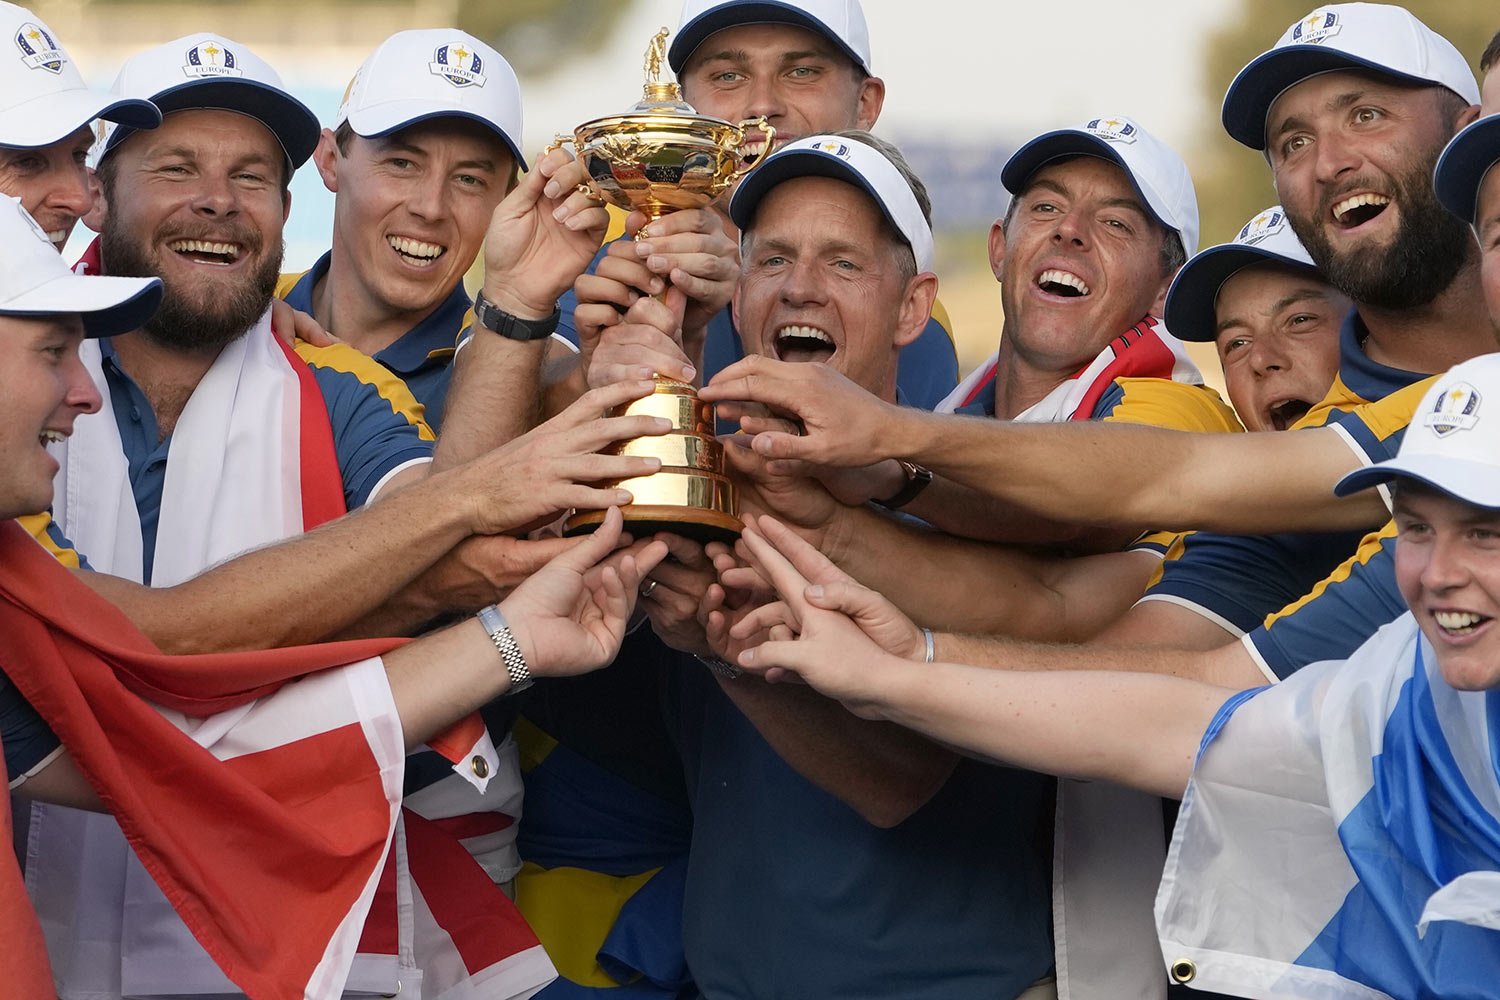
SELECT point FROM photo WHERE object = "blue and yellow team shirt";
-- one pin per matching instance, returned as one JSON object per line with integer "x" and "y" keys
{"x": 1360, "y": 596}
{"x": 422, "y": 357}
{"x": 1236, "y": 581}
{"x": 377, "y": 428}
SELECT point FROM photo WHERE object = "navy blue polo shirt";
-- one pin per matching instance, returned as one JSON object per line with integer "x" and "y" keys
{"x": 422, "y": 357}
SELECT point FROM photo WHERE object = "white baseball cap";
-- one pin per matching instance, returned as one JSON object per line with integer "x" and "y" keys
{"x": 1266, "y": 238}
{"x": 415, "y": 76}
{"x": 1463, "y": 165}
{"x": 843, "y": 159}
{"x": 842, "y": 22}
{"x": 43, "y": 98}
{"x": 1450, "y": 444}
{"x": 34, "y": 281}
{"x": 206, "y": 70}
{"x": 1383, "y": 38}
{"x": 1155, "y": 170}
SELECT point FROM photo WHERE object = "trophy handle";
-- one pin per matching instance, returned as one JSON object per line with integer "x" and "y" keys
{"x": 559, "y": 141}
{"x": 770, "y": 133}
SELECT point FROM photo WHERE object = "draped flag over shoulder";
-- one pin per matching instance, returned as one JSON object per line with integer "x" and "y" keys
{"x": 270, "y": 856}
{"x": 1340, "y": 837}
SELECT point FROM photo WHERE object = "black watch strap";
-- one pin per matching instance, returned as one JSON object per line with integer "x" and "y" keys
{"x": 497, "y": 320}
{"x": 917, "y": 479}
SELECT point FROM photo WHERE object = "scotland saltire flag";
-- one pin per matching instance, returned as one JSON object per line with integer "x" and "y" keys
{"x": 1340, "y": 837}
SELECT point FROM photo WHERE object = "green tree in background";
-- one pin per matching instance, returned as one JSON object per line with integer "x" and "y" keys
{"x": 1233, "y": 181}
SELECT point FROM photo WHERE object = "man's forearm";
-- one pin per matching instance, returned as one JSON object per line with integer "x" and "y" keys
{"x": 1119, "y": 475}
{"x": 1227, "y": 666}
{"x": 495, "y": 397}
{"x": 298, "y": 591}
{"x": 935, "y": 577}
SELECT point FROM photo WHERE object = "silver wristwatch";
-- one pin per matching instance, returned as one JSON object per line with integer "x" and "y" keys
{"x": 510, "y": 650}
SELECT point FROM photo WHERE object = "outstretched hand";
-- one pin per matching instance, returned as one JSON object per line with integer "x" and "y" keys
{"x": 840, "y": 423}
{"x": 844, "y": 631}
{"x": 570, "y": 616}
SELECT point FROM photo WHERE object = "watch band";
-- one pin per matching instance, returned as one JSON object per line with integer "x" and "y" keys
{"x": 494, "y": 623}
{"x": 497, "y": 320}
{"x": 720, "y": 666}
{"x": 917, "y": 480}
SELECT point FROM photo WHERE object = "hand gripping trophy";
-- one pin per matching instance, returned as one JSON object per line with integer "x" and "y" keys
{"x": 658, "y": 157}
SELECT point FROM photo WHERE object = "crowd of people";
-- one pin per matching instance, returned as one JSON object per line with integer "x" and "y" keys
{"x": 1066, "y": 678}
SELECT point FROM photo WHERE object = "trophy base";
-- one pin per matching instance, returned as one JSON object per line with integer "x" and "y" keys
{"x": 644, "y": 520}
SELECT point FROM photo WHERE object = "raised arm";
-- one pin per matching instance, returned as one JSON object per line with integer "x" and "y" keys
{"x": 1137, "y": 730}
{"x": 1090, "y": 473}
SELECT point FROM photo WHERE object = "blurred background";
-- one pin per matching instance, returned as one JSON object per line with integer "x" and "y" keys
{"x": 965, "y": 84}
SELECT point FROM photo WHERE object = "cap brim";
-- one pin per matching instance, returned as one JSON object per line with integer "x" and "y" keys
{"x": 787, "y": 164}
{"x": 107, "y": 306}
{"x": 291, "y": 121}
{"x": 1065, "y": 143}
{"x": 1476, "y": 483}
{"x": 393, "y": 116}
{"x": 729, "y": 15}
{"x": 1191, "y": 311}
{"x": 50, "y": 118}
{"x": 1461, "y": 169}
{"x": 1269, "y": 75}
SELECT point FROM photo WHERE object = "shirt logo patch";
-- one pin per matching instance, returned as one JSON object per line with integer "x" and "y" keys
{"x": 1262, "y": 227}
{"x": 1456, "y": 410}
{"x": 458, "y": 64}
{"x": 1316, "y": 27}
{"x": 211, "y": 59}
{"x": 1113, "y": 129}
{"x": 38, "y": 50}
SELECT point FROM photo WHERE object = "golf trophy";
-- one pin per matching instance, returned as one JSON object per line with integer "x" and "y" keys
{"x": 658, "y": 157}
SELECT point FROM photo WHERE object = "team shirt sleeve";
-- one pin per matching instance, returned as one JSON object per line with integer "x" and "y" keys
{"x": 50, "y": 537}
{"x": 378, "y": 425}
{"x": 28, "y": 742}
{"x": 1337, "y": 616}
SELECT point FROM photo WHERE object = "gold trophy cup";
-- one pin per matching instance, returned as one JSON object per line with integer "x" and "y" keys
{"x": 659, "y": 157}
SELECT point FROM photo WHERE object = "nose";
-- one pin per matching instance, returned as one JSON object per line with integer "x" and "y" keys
{"x": 82, "y": 394}
{"x": 1267, "y": 355}
{"x": 215, "y": 197}
{"x": 1069, "y": 229}
{"x": 802, "y": 284}
{"x": 427, "y": 198}
{"x": 70, "y": 192}
{"x": 1335, "y": 158}
{"x": 1446, "y": 568}
{"x": 765, "y": 98}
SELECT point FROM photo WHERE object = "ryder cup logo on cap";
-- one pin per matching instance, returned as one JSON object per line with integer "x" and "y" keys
{"x": 843, "y": 159}
{"x": 433, "y": 73}
{"x": 458, "y": 64}
{"x": 1113, "y": 129}
{"x": 1315, "y": 27}
{"x": 210, "y": 72}
{"x": 1436, "y": 450}
{"x": 842, "y": 22}
{"x": 38, "y": 50}
{"x": 1267, "y": 224}
{"x": 1368, "y": 37}
{"x": 1192, "y": 301}
{"x": 43, "y": 99}
{"x": 1454, "y": 410}
{"x": 1155, "y": 170}
{"x": 210, "y": 58}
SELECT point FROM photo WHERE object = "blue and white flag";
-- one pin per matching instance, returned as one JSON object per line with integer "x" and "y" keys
{"x": 1340, "y": 837}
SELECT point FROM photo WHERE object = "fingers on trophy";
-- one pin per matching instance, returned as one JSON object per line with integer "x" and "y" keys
{"x": 661, "y": 156}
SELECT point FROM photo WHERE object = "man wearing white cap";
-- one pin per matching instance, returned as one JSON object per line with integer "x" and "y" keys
{"x": 1346, "y": 817}
{"x": 806, "y": 67}
{"x": 276, "y": 442}
{"x": 77, "y": 730}
{"x": 836, "y": 239}
{"x": 46, "y": 114}
{"x": 425, "y": 146}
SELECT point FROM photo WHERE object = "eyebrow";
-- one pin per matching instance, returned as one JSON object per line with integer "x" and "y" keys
{"x": 742, "y": 56}
{"x": 1120, "y": 202}
{"x": 1339, "y": 102}
{"x": 392, "y": 144}
{"x": 1300, "y": 295}
{"x": 777, "y": 245}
